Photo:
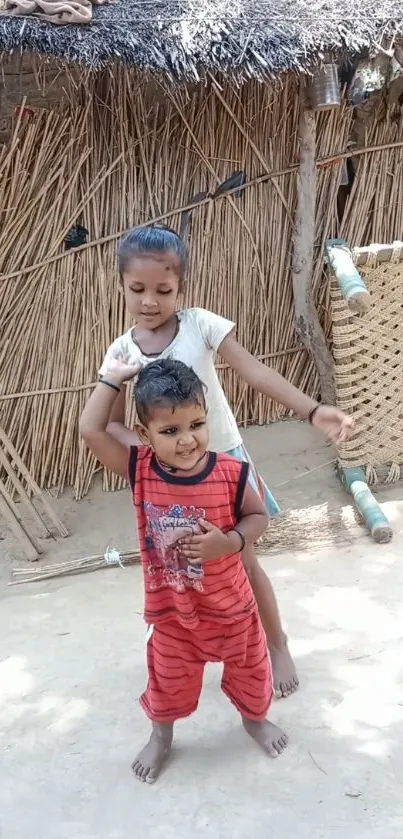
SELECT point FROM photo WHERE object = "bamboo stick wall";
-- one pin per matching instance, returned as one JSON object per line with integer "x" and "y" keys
{"x": 122, "y": 158}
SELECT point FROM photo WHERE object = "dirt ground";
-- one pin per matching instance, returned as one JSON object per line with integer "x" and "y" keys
{"x": 72, "y": 667}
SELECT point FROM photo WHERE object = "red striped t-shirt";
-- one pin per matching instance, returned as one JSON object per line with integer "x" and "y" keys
{"x": 168, "y": 507}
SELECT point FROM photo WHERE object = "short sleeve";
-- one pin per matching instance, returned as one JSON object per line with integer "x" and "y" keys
{"x": 109, "y": 356}
{"x": 213, "y": 328}
{"x": 119, "y": 351}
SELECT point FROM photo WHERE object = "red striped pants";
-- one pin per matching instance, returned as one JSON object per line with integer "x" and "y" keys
{"x": 176, "y": 657}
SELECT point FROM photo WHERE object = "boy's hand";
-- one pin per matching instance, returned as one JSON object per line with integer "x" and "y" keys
{"x": 337, "y": 425}
{"x": 212, "y": 543}
{"x": 119, "y": 372}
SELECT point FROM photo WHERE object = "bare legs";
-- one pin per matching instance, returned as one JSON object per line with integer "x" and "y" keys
{"x": 149, "y": 762}
{"x": 284, "y": 672}
{"x": 268, "y": 736}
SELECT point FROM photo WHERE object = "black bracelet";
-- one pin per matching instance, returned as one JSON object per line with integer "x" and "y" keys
{"x": 241, "y": 536}
{"x": 109, "y": 384}
{"x": 312, "y": 413}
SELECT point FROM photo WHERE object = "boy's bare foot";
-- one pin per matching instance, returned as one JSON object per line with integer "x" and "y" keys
{"x": 269, "y": 736}
{"x": 284, "y": 672}
{"x": 148, "y": 763}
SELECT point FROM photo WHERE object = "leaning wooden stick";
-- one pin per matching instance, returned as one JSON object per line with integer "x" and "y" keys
{"x": 24, "y": 497}
{"x": 32, "y": 485}
{"x": 10, "y": 514}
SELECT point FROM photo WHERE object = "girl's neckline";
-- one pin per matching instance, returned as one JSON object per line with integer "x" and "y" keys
{"x": 168, "y": 346}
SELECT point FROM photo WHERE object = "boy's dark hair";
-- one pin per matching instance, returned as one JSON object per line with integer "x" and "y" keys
{"x": 149, "y": 241}
{"x": 169, "y": 383}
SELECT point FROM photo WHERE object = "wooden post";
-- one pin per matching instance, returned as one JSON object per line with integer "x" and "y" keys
{"x": 306, "y": 317}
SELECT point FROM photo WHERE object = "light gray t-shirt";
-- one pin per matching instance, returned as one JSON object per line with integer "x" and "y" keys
{"x": 199, "y": 336}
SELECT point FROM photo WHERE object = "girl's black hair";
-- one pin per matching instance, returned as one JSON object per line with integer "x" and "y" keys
{"x": 166, "y": 382}
{"x": 152, "y": 240}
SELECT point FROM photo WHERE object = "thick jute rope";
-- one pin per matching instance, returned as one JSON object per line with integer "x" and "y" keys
{"x": 368, "y": 353}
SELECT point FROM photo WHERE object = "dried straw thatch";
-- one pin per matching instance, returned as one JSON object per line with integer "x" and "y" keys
{"x": 62, "y": 309}
{"x": 374, "y": 211}
{"x": 185, "y": 38}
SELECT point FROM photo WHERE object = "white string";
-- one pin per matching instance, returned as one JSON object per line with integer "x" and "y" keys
{"x": 307, "y": 472}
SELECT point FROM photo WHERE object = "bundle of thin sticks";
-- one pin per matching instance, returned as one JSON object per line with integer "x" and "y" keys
{"x": 73, "y": 566}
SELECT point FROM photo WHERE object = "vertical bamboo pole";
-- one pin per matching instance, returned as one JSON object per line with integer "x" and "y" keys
{"x": 306, "y": 318}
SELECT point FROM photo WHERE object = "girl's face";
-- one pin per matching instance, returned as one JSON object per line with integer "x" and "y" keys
{"x": 151, "y": 288}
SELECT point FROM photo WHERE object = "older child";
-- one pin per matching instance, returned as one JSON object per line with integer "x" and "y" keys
{"x": 152, "y": 263}
{"x": 196, "y": 512}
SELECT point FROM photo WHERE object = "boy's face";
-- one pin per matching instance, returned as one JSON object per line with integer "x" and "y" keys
{"x": 178, "y": 436}
{"x": 151, "y": 288}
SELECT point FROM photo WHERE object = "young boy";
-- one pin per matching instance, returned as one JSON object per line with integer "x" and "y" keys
{"x": 196, "y": 512}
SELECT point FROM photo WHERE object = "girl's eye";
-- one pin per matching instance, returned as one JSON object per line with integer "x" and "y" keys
{"x": 169, "y": 291}
{"x": 169, "y": 431}
{"x": 137, "y": 290}
{"x": 199, "y": 424}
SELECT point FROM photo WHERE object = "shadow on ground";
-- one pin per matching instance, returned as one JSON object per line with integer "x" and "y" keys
{"x": 73, "y": 667}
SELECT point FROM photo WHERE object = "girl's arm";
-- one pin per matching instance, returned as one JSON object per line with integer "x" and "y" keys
{"x": 331, "y": 420}
{"x": 254, "y": 517}
{"x": 94, "y": 421}
{"x": 116, "y": 426}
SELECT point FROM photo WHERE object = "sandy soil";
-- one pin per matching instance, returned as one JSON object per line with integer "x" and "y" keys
{"x": 297, "y": 465}
{"x": 72, "y": 667}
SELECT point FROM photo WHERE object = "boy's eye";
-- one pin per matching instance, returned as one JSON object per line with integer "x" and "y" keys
{"x": 172, "y": 430}
{"x": 198, "y": 424}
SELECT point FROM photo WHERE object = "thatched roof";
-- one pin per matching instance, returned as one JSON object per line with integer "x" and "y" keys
{"x": 186, "y": 38}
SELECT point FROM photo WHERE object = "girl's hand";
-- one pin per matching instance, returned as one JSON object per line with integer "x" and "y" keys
{"x": 337, "y": 425}
{"x": 212, "y": 543}
{"x": 119, "y": 372}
